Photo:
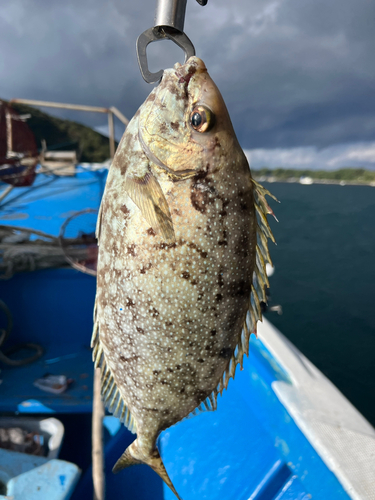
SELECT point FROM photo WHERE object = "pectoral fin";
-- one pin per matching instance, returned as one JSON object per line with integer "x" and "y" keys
{"x": 147, "y": 194}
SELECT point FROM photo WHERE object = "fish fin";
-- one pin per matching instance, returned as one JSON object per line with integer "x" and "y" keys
{"x": 109, "y": 390}
{"x": 147, "y": 194}
{"x": 133, "y": 456}
{"x": 260, "y": 278}
{"x": 260, "y": 282}
{"x": 99, "y": 222}
{"x": 208, "y": 404}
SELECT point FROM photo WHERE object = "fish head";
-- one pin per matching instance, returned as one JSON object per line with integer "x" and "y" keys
{"x": 184, "y": 125}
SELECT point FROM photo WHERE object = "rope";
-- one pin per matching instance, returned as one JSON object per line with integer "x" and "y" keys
{"x": 64, "y": 247}
{"x": 19, "y": 254}
{"x": 4, "y": 334}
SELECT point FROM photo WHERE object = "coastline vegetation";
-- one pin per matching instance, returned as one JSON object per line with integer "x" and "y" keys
{"x": 66, "y": 135}
{"x": 92, "y": 146}
{"x": 349, "y": 175}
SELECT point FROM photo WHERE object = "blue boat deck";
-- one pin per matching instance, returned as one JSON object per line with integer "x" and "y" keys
{"x": 249, "y": 449}
{"x": 52, "y": 308}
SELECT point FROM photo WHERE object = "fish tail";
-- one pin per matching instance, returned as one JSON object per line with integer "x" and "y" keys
{"x": 133, "y": 456}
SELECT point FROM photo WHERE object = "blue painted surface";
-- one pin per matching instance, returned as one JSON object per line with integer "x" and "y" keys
{"x": 33, "y": 406}
{"x": 250, "y": 448}
{"x": 51, "y": 199}
{"x": 112, "y": 424}
{"x": 60, "y": 320}
{"x": 52, "y": 307}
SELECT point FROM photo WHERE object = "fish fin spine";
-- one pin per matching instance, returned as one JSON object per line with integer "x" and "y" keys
{"x": 99, "y": 222}
{"x": 259, "y": 284}
{"x": 208, "y": 404}
{"x": 213, "y": 400}
{"x": 246, "y": 338}
{"x": 260, "y": 265}
{"x": 109, "y": 390}
{"x": 260, "y": 281}
{"x": 255, "y": 298}
{"x": 263, "y": 245}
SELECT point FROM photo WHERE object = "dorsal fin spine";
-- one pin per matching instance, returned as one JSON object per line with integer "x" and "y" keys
{"x": 263, "y": 247}
{"x": 124, "y": 411}
{"x": 227, "y": 377}
{"x": 259, "y": 289}
{"x": 206, "y": 405}
{"x": 105, "y": 374}
{"x": 95, "y": 351}
{"x": 99, "y": 222}
{"x": 108, "y": 383}
{"x": 114, "y": 399}
{"x": 94, "y": 342}
{"x": 98, "y": 356}
{"x": 265, "y": 228}
{"x": 118, "y": 407}
{"x": 212, "y": 398}
{"x": 261, "y": 283}
{"x": 260, "y": 261}
{"x": 110, "y": 391}
{"x": 256, "y": 304}
{"x": 240, "y": 353}
{"x": 232, "y": 368}
{"x": 246, "y": 339}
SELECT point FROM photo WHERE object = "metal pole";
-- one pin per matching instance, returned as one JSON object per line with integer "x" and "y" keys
{"x": 111, "y": 135}
{"x": 78, "y": 107}
{"x": 98, "y": 477}
{"x": 9, "y": 132}
{"x": 119, "y": 115}
{"x": 171, "y": 13}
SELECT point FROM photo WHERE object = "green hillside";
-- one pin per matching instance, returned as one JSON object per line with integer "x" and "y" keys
{"x": 359, "y": 175}
{"x": 66, "y": 135}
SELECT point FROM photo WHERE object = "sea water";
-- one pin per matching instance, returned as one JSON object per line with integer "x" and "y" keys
{"x": 325, "y": 281}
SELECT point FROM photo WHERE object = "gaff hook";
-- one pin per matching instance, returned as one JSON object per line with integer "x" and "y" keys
{"x": 169, "y": 24}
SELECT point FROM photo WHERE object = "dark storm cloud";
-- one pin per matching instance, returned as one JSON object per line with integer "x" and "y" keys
{"x": 293, "y": 72}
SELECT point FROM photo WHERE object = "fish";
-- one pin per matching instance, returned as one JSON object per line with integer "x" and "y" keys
{"x": 183, "y": 246}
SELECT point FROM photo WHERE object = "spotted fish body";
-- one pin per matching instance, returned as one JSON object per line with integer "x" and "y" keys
{"x": 181, "y": 266}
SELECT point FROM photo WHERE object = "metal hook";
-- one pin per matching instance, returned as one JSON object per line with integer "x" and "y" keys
{"x": 169, "y": 24}
{"x": 155, "y": 35}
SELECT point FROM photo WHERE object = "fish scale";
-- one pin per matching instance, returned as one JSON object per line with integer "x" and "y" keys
{"x": 180, "y": 262}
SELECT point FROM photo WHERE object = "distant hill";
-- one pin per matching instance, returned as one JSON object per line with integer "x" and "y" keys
{"x": 349, "y": 175}
{"x": 66, "y": 135}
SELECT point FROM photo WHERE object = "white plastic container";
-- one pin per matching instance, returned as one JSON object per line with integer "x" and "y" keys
{"x": 50, "y": 429}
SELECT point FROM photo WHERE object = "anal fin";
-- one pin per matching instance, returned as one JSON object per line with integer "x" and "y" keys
{"x": 111, "y": 395}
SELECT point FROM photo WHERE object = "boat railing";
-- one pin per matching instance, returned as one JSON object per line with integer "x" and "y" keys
{"x": 111, "y": 112}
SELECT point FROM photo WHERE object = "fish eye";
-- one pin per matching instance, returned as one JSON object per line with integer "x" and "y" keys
{"x": 202, "y": 119}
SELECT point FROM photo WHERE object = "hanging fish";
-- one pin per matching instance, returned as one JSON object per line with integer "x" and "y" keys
{"x": 181, "y": 267}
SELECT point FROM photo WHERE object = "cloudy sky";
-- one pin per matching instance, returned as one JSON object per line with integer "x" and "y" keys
{"x": 298, "y": 76}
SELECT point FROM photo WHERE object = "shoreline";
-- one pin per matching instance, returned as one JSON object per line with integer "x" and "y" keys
{"x": 310, "y": 181}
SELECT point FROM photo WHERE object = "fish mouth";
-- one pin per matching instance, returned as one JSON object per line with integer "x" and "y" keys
{"x": 154, "y": 159}
{"x": 185, "y": 72}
